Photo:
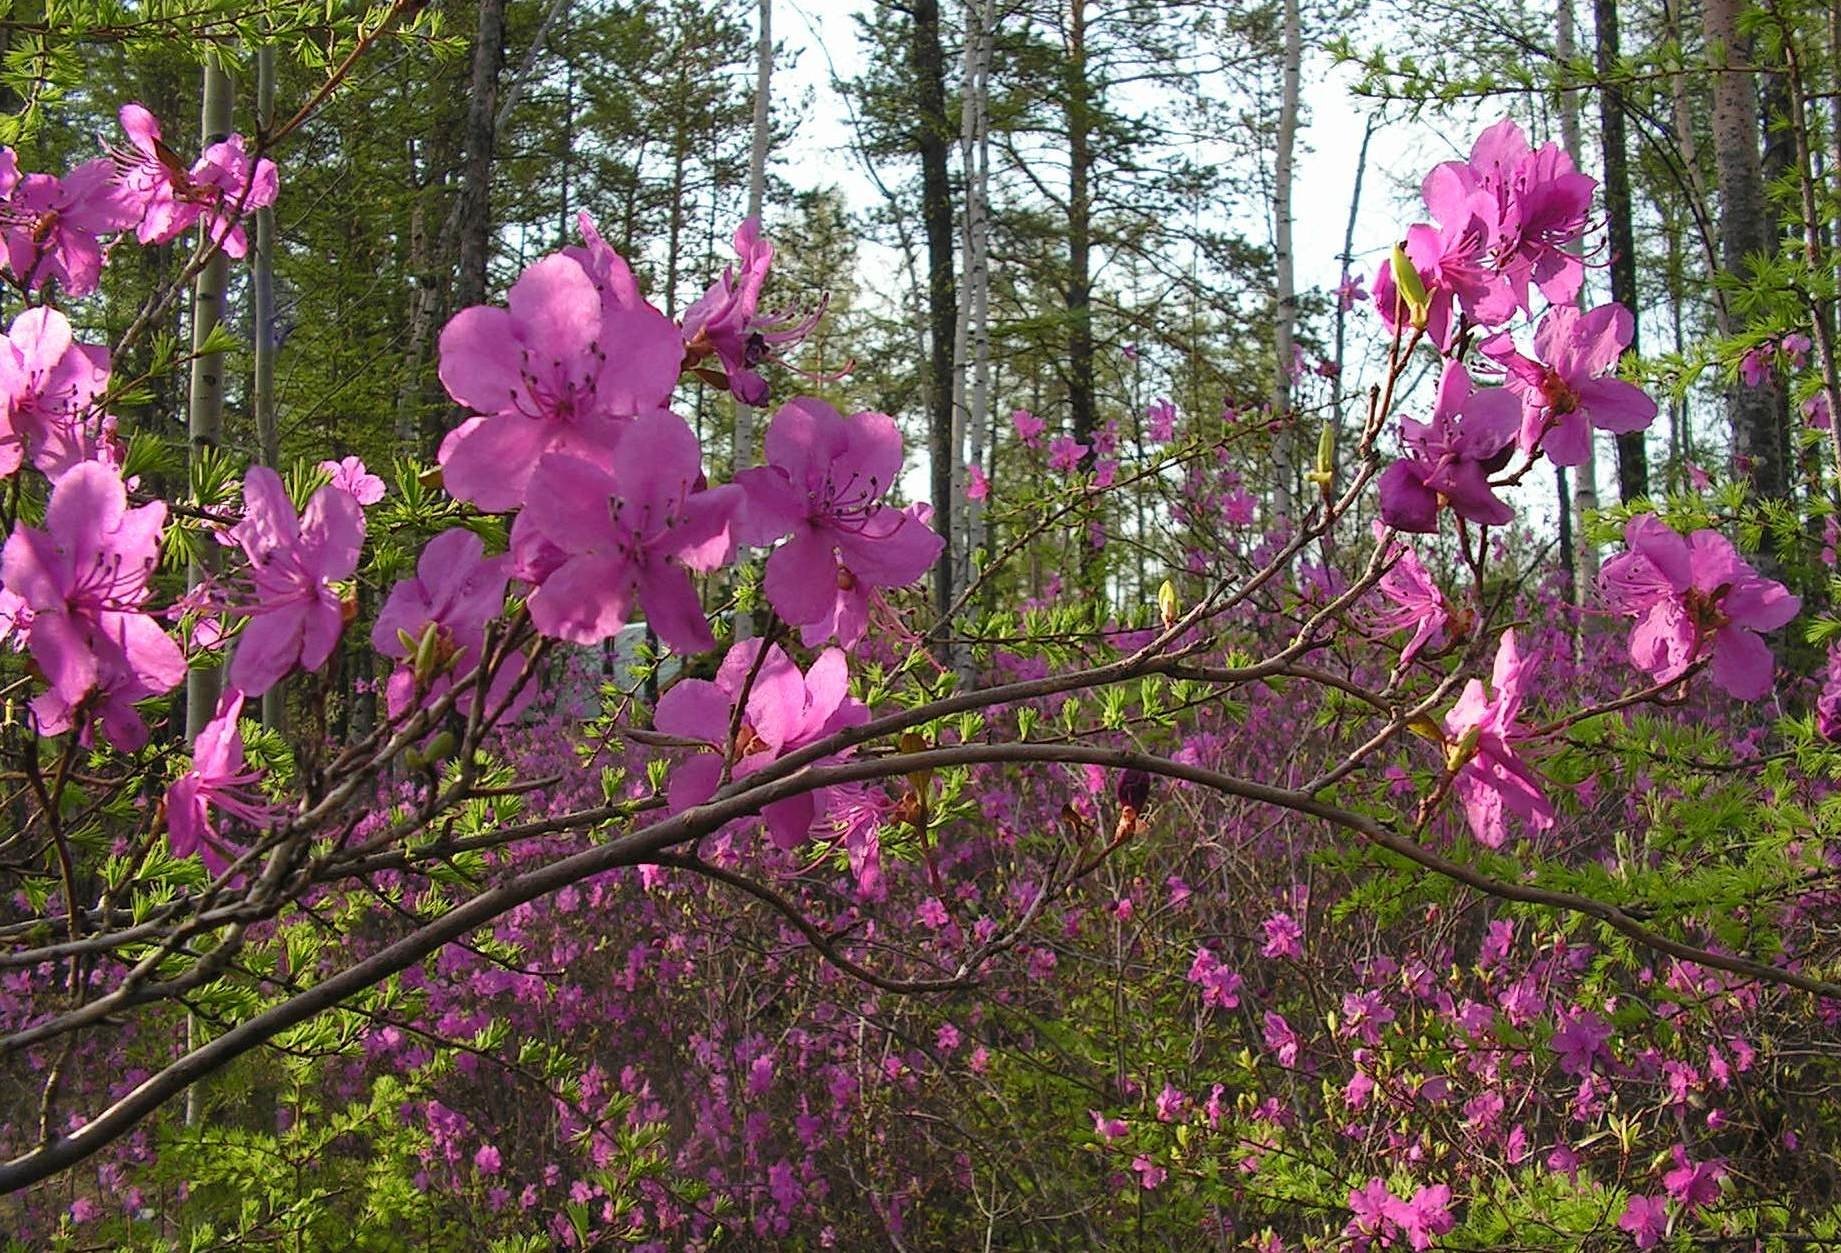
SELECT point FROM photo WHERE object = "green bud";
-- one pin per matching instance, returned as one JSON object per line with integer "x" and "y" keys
{"x": 1411, "y": 287}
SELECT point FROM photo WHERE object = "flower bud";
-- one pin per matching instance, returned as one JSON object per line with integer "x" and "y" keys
{"x": 1168, "y": 604}
{"x": 1411, "y": 288}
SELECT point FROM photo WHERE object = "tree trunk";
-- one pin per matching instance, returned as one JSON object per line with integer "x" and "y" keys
{"x": 927, "y": 59}
{"x": 475, "y": 226}
{"x": 1580, "y": 559}
{"x": 1632, "y": 455}
{"x": 1745, "y": 226}
{"x": 262, "y": 280}
{"x": 1285, "y": 314}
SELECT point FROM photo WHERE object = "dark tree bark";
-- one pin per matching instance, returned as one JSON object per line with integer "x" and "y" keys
{"x": 1746, "y": 229}
{"x": 475, "y": 210}
{"x": 1632, "y": 455}
{"x": 932, "y": 139}
{"x": 1081, "y": 403}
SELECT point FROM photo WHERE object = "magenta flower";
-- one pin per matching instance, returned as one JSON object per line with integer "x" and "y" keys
{"x": 350, "y": 475}
{"x": 1414, "y": 600}
{"x": 1065, "y": 453}
{"x": 1220, "y": 985}
{"x": 977, "y": 485}
{"x": 1108, "y": 1129}
{"x": 856, "y": 815}
{"x": 1368, "y": 1214}
{"x": 1482, "y": 731}
{"x": 1580, "y": 1042}
{"x": 1692, "y": 598}
{"x": 83, "y": 581}
{"x": 217, "y": 782}
{"x": 1755, "y": 367}
{"x": 782, "y": 710}
{"x": 1282, "y": 936}
{"x": 1451, "y": 457}
{"x": 558, "y": 370}
{"x": 1539, "y": 204}
{"x": 50, "y": 385}
{"x": 52, "y": 225}
{"x": 726, "y": 321}
{"x": 166, "y": 198}
{"x": 625, "y": 537}
{"x": 1162, "y": 418}
{"x": 1425, "y": 1217}
{"x": 1568, "y": 395}
{"x": 1453, "y": 262}
{"x": 1029, "y": 427}
{"x": 823, "y": 483}
{"x": 1828, "y": 704}
{"x": 1646, "y": 1219}
{"x": 1282, "y": 1039}
{"x": 1350, "y": 292}
{"x": 294, "y": 613}
{"x": 1693, "y": 1185}
{"x": 456, "y": 591}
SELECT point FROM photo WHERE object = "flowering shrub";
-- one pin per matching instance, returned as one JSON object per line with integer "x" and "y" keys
{"x": 1252, "y": 914}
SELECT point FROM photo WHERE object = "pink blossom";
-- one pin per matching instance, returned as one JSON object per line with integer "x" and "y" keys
{"x": 823, "y": 484}
{"x": 1646, "y": 1219}
{"x": 294, "y": 613}
{"x": 726, "y": 320}
{"x": 1065, "y": 453}
{"x": 1108, "y": 1129}
{"x": 1482, "y": 728}
{"x": 558, "y": 370}
{"x": 1455, "y": 266}
{"x": 1796, "y": 346}
{"x": 221, "y": 187}
{"x": 217, "y": 781}
{"x": 1029, "y": 427}
{"x": 1150, "y": 1174}
{"x": 1580, "y": 1042}
{"x": 350, "y": 475}
{"x": 1828, "y": 704}
{"x": 1162, "y": 420}
{"x": 1450, "y": 458}
{"x": 52, "y": 225}
{"x": 1693, "y": 1185}
{"x": 783, "y": 710}
{"x": 1369, "y": 1218}
{"x": 1284, "y": 1042}
{"x": 1282, "y": 936}
{"x": 486, "y": 1160}
{"x": 1414, "y": 600}
{"x": 1350, "y": 292}
{"x": 977, "y": 486}
{"x": 598, "y": 543}
{"x": 83, "y": 580}
{"x": 456, "y": 591}
{"x": 1568, "y": 390}
{"x": 1425, "y": 1217}
{"x": 51, "y": 384}
{"x": 1694, "y": 598}
{"x": 1220, "y": 986}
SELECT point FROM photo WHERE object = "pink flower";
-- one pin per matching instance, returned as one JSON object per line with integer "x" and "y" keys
{"x": 1693, "y": 598}
{"x": 1693, "y": 1185}
{"x": 295, "y": 614}
{"x": 559, "y": 369}
{"x": 1755, "y": 365}
{"x": 1161, "y": 416}
{"x": 456, "y": 591}
{"x": 1284, "y": 1042}
{"x": 1369, "y": 1218}
{"x": 1282, "y": 936}
{"x": 83, "y": 579}
{"x": 216, "y": 781}
{"x": 726, "y": 320}
{"x": 1425, "y": 1217}
{"x": 1538, "y": 204}
{"x": 51, "y": 225}
{"x": 1451, "y": 457}
{"x": 1815, "y": 412}
{"x": 1350, "y": 292}
{"x": 1796, "y": 346}
{"x": 823, "y": 484}
{"x": 1029, "y": 427}
{"x": 1064, "y": 453}
{"x": 977, "y": 486}
{"x": 1454, "y": 264}
{"x": 1220, "y": 986}
{"x": 486, "y": 1160}
{"x": 1568, "y": 391}
{"x": 350, "y": 475}
{"x": 1580, "y": 1042}
{"x": 598, "y": 543}
{"x": 1414, "y": 600}
{"x": 1482, "y": 729}
{"x": 1646, "y": 1219}
{"x": 1150, "y": 1174}
{"x": 166, "y": 198}
{"x": 857, "y": 813}
{"x": 51, "y": 384}
{"x": 1828, "y": 704}
{"x": 1108, "y": 1129}
{"x": 784, "y": 710}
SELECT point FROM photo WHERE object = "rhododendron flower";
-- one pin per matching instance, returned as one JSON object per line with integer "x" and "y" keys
{"x": 1369, "y": 1219}
{"x": 1065, "y": 452}
{"x": 1694, "y": 1185}
{"x": 1646, "y": 1219}
{"x": 558, "y": 369}
{"x": 1482, "y": 729}
{"x": 50, "y": 384}
{"x": 1755, "y": 366}
{"x": 350, "y": 475}
{"x": 1284, "y": 1042}
{"x": 977, "y": 486}
{"x": 783, "y": 710}
{"x": 221, "y": 186}
{"x": 630, "y": 536}
{"x": 1565, "y": 393}
{"x": 1580, "y": 1042}
{"x": 1451, "y": 457}
{"x": 52, "y": 225}
{"x": 1029, "y": 427}
{"x": 1150, "y": 1174}
{"x": 1539, "y": 204}
{"x": 1414, "y": 600}
{"x": 823, "y": 483}
{"x": 856, "y": 814}
{"x": 1796, "y": 346}
{"x": 1425, "y": 1217}
{"x": 217, "y": 782}
{"x": 1828, "y": 704}
{"x": 1350, "y": 292}
{"x": 1161, "y": 419}
{"x": 1108, "y": 1129}
{"x": 1692, "y": 598}
{"x": 83, "y": 578}
{"x": 456, "y": 591}
{"x": 1454, "y": 265}
{"x": 1220, "y": 986}
{"x": 1282, "y": 936}
{"x": 295, "y": 614}
{"x": 726, "y": 320}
